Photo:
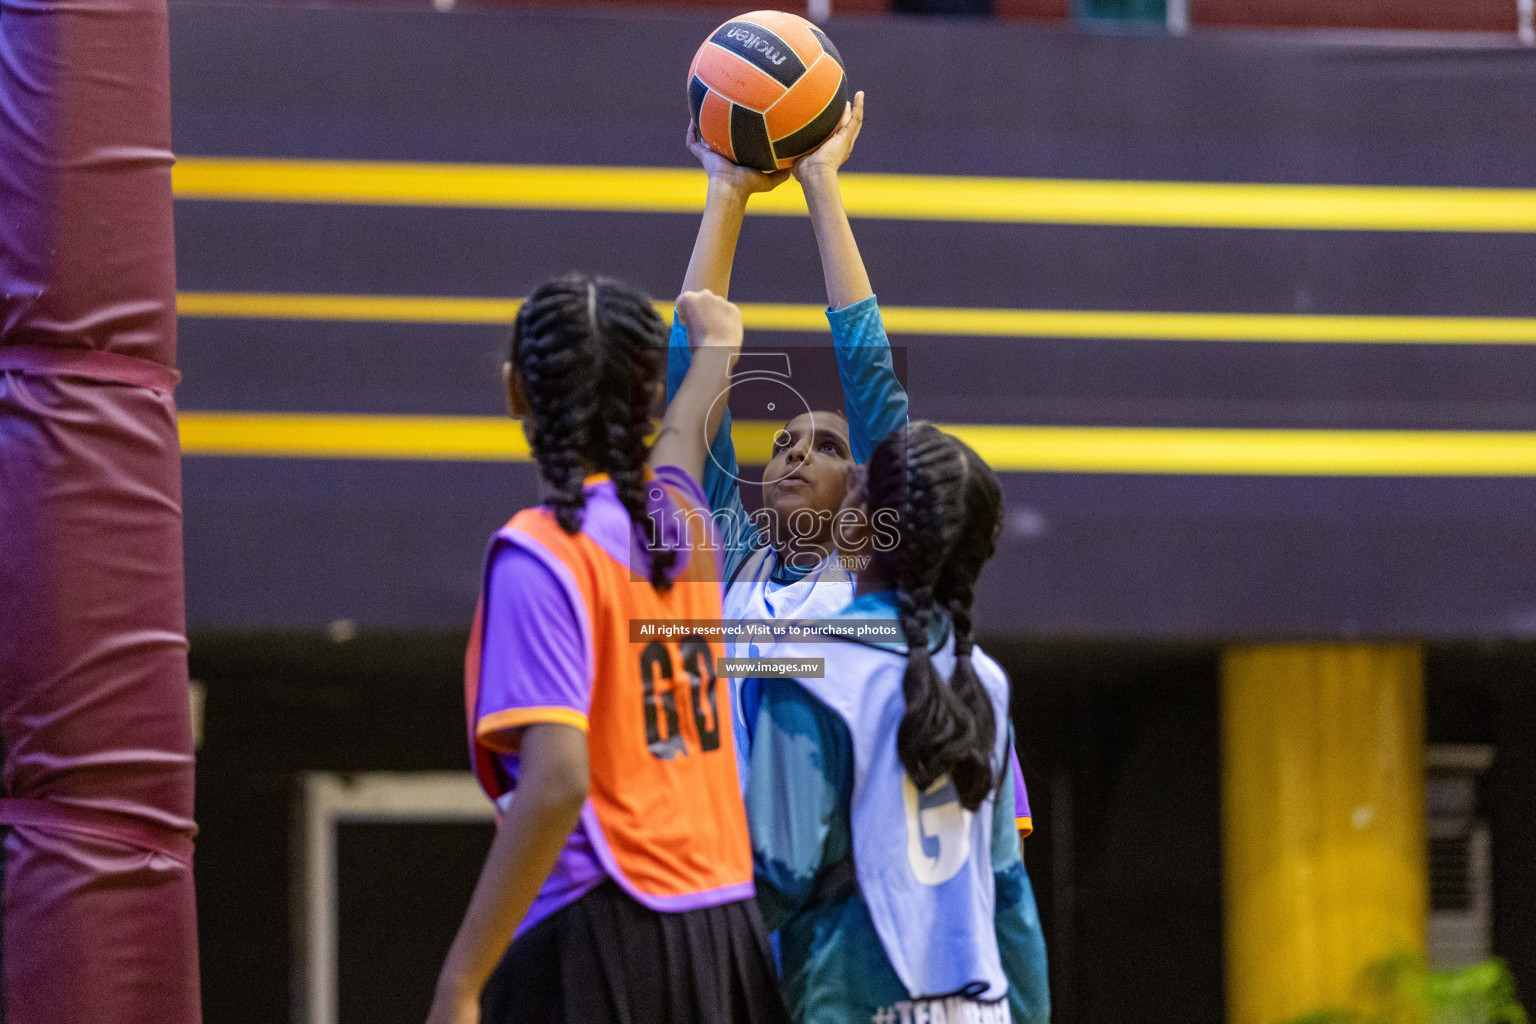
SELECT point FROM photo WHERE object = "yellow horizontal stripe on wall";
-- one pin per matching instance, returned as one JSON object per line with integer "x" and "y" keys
{"x": 1244, "y": 452}
{"x": 1034, "y": 449}
{"x": 340, "y": 436}
{"x": 889, "y": 196}
{"x": 1007, "y": 323}
{"x": 374, "y": 308}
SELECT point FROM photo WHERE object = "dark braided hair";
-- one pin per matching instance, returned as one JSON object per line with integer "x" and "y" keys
{"x": 920, "y": 472}
{"x": 589, "y": 352}
{"x": 982, "y": 521}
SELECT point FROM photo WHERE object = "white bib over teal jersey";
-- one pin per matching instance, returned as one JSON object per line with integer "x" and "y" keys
{"x": 923, "y": 862}
{"x": 821, "y": 593}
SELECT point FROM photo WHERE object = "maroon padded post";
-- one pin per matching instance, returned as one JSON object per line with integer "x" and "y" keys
{"x": 99, "y": 917}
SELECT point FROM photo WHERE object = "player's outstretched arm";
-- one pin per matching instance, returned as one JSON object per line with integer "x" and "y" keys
{"x": 725, "y": 204}
{"x": 709, "y": 269}
{"x": 528, "y": 841}
{"x": 714, "y": 250}
{"x": 696, "y": 411}
{"x": 875, "y": 401}
{"x": 841, "y": 264}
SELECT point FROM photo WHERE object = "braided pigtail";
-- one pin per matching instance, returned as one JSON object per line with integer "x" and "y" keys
{"x": 635, "y": 346}
{"x": 553, "y": 350}
{"x": 920, "y": 473}
{"x": 982, "y": 520}
{"x": 589, "y": 352}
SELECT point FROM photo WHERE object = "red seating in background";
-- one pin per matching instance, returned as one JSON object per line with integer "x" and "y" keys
{"x": 1460, "y": 15}
{"x": 1456, "y": 15}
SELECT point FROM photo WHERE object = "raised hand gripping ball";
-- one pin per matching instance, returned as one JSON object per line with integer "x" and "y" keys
{"x": 765, "y": 88}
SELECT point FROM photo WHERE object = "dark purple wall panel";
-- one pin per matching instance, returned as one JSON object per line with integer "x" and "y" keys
{"x": 296, "y": 544}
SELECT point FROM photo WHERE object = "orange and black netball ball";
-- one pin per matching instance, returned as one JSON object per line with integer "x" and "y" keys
{"x": 765, "y": 88}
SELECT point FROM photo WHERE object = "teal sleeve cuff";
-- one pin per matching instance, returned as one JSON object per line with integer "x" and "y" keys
{"x": 846, "y": 317}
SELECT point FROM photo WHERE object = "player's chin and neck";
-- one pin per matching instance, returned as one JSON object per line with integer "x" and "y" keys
{"x": 799, "y": 521}
{"x": 788, "y": 497}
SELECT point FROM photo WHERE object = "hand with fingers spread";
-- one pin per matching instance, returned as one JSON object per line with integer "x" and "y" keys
{"x": 742, "y": 181}
{"x": 825, "y": 159}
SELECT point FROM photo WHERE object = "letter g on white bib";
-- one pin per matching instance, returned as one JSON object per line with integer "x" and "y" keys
{"x": 938, "y": 831}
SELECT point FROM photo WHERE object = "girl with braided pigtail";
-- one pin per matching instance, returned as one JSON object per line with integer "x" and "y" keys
{"x": 1020, "y": 939}
{"x": 586, "y": 350}
{"x": 621, "y": 863}
{"x": 878, "y": 795}
{"x": 983, "y": 519}
{"x": 923, "y": 481}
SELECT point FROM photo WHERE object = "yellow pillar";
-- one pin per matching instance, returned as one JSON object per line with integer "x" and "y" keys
{"x": 1322, "y": 818}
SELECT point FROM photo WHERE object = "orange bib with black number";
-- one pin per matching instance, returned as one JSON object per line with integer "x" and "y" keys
{"x": 664, "y": 811}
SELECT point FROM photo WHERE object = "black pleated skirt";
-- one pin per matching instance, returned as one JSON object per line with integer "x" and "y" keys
{"x": 606, "y": 959}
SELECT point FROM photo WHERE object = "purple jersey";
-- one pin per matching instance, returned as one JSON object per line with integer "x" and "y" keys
{"x": 534, "y": 657}
{"x": 1022, "y": 819}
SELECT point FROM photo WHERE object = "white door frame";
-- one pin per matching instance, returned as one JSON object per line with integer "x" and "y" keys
{"x": 327, "y": 799}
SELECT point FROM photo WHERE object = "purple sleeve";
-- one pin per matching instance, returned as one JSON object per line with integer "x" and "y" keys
{"x": 1021, "y": 813}
{"x": 692, "y": 492}
{"x": 534, "y": 665}
{"x": 680, "y": 478}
